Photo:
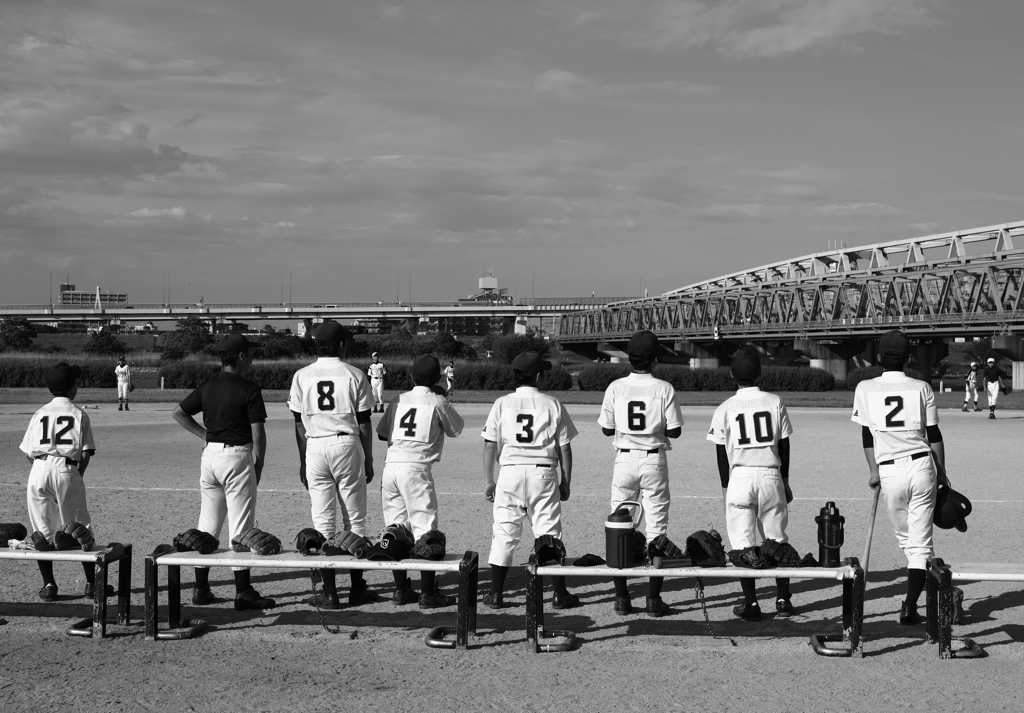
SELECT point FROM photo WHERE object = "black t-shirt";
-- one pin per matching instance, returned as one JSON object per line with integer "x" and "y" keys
{"x": 992, "y": 373}
{"x": 229, "y": 404}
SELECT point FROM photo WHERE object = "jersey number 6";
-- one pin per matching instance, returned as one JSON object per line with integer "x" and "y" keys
{"x": 637, "y": 419}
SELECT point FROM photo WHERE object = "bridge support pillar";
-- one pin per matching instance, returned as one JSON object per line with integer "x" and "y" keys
{"x": 704, "y": 355}
{"x": 833, "y": 357}
{"x": 412, "y": 324}
{"x": 1012, "y": 346}
{"x": 927, "y": 354}
{"x": 508, "y": 326}
{"x": 615, "y": 354}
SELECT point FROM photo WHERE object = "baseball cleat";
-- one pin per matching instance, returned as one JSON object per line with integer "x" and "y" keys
{"x": 361, "y": 595}
{"x": 126, "y": 407}
{"x": 120, "y": 408}
{"x": 201, "y": 595}
{"x": 748, "y": 612}
{"x": 958, "y": 605}
{"x": 564, "y": 600}
{"x": 323, "y": 600}
{"x": 48, "y": 593}
{"x": 401, "y": 597}
{"x": 784, "y": 608}
{"x": 964, "y": 409}
{"x": 992, "y": 416}
{"x": 435, "y": 601}
{"x": 90, "y": 591}
{"x": 493, "y": 601}
{"x": 623, "y": 606}
{"x": 909, "y": 615}
{"x": 251, "y": 599}
{"x": 977, "y": 410}
{"x": 656, "y": 607}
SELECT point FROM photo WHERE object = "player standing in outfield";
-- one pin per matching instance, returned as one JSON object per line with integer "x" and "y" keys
{"x": 528, "y": 433}
{"x": 232, "y": 464}
{"x": 905, "y": 454}
{"x": 641, "y": 414}
{"x": 751, "y": 433}
{"x": 59, "y": 445}
{"x": 124, "y": 380}
{"x": 414, "y": 427}
{"x": 993, "y": 384}
{"x": 331, "y": 402}
{"x": 449, "y": 376}
{"x": 971, "y": 387}
{"x": 377, "y": 372}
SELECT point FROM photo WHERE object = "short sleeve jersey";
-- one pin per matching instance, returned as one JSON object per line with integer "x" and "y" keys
{"x": 640, "y": 408}
{"x": 972, "y": 377}
{"x": 898, "y": 411}
{"x": 750, "y": 425}
{"x": 328, "y": 394}
{"x": 59, "y": 429}
{"x": 123, "y": 374}
{"x": 529, "y": 427}
{"x": 415, "y": 425}
{"x": 377, "y": 371}
{"x": 449, "y": 373}
{"x": 230, "y": 404}
{"x": 992, "y": 373}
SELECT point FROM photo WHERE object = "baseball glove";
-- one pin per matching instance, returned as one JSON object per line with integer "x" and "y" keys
{"x": 131, "y": 388}
{"x": 587, "y": 560}
{"x": 549, "y": 548}
{"x": 309, "y": 540}
{"x": 39, "y": 542}
{"x": 193, "y": 540}
{"x": 73, "y": 535}
{"x": 11, "y": 531}
{"x": 781, "y": 553}
{"x": 346, "y": 543}
{"x": 661, "y": 546}
{"x": 751, "y": 558}
{"x": 705, "y": 549}
{"x": 258, "y": 542}
{"x": 1006, "y": 390}
{"x": 431, "y": 546}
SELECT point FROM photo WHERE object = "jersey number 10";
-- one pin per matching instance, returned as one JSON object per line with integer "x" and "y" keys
{"x": 763, "y": 432}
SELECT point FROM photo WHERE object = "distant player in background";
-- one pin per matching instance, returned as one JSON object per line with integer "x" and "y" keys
{"x": 971, "y": 387}
{"x": 449, "y": 375}
{"x": 993, "y": 384}
{"x": 124, "y": 380}
{"x": 377, "y": 372}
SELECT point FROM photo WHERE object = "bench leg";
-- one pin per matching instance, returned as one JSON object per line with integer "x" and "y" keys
{"x": 173, "y": 596}
{"x": 124, "y": 587}
{"x": 474, "y": 588}
{"x": 99, "y": 605}
{"x": 931, "y": 602}
{"x": 856, "y": 616}
{"x": 534, "y": 608}
{"x": 152, "y": 597}
{"x": 945, "y": 613}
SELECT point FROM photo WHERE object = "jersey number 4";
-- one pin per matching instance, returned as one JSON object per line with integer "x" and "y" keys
{"x": 408, "y": 423}
{"x": 68, "y": 422}
{"x": 763, "y": 432}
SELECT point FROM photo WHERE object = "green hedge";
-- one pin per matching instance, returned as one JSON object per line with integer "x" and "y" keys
{"x": 597, "y": 377}
{"x": 17, "y": 373}
{"x": 871, "y": 372}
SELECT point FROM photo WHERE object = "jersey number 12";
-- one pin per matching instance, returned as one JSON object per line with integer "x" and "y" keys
{"x": 58, "y": 437}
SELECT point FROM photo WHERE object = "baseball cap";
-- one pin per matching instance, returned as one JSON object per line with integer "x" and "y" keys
{"x": 974, "y": 364}
{"x": 894, "y": 344}
{"x": 746, "y": 364}
{"x": 530, "y": 364}
{"x": 332, "y": 333}
{"x": 991, "y": 360}
{"x": 62, "y": 376}
{"x": 374, "y": 354}
{"x": 428, "y": 366}
{"x": 390, "y": 548}
{"x": 643, "y": 344}
{"x": 233, "y": 345}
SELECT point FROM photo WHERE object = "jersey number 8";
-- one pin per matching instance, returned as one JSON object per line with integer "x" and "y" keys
{"x": 325, "y": 395}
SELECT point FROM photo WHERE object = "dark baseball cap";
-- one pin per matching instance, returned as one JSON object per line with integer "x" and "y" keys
{"x": 530, "y": 364}
{"x": 233, "y": 345}
{"x": 894, "y": 344}
{"x": 746, "y": 364}
{"x": 426, "y": 366}
{"x": 390, "y": 548}
{"x": 332, "y": 333}
{"x": 62, "y": 377}
{"x": 643, "y": 344}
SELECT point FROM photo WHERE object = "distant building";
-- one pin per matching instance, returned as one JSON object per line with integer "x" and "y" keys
{"x": 489, "y": 294}
{"x": 70, "y": 296}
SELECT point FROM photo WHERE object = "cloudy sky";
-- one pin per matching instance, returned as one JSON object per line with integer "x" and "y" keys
{"x": 598, "y": 145}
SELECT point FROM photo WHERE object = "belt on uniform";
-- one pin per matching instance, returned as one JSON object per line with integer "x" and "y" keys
{"x": 916, "y": 456}
{"x": 640, "y": 450}
{"x": 44, "y": 456}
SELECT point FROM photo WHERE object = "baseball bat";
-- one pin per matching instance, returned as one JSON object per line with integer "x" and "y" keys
{"x": 871, "y": 530}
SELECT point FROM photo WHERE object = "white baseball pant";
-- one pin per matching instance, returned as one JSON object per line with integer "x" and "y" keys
{"x": 970, "y": 392}
{"x": 227, "y": 490}
{"x": 643, "y": 476}
{"x": 122, "y": 390}
{"x": 56, "y": 496}
{"x": 993, "y": 392}
{"x": 336, "y": 474}
{"x": 377, "y": 387}
{"x": 755, "y": 496}
{"x": 524, "y": 491}
{"x": 407, "y": 497}
{"x": 908, "y": 487}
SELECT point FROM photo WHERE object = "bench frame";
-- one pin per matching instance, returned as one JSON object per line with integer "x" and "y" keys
{"x": 96, "y": 626}
{"x": 939, "y": 609}
{"x": 850, "y": 573}
{"x": 467, "y": 566}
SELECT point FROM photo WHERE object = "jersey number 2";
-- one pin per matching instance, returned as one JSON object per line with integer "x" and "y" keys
{"x": 526, "y": 434}
{"x": 890, "y": 418}
{"x": 58, "y": 438}
{"x": 325, "y": 395}
{"x": 408, "y": 422}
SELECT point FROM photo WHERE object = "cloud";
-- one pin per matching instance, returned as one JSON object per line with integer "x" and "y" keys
{"x": 864, "y": 210}
{"x": 926, "y": 228}
{"x": 187, "y": 122}
{"x": 805, "y": 172}
{"x": 176, "y": 212}
{"x": 570, "y": 85}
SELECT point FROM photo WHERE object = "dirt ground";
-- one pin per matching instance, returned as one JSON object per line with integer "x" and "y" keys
{"x": 143, "y": 489}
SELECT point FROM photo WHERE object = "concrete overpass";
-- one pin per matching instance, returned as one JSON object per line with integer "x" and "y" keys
{"x": 830, "y": 306}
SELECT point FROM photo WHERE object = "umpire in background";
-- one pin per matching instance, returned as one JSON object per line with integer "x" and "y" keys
{"x": 236, "y": 447}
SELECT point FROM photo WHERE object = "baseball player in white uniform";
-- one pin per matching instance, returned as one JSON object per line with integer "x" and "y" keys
{"x": 124, "y": 380}
{"x": 751, "y": 431}
{"x": 377, "y": 372}
{"x": 449, "y": 377}
{"x": 993, "y": 385}
{"x": 971, "y": 387}
{"x": 528, "y": 433}
{"x": 59, "y": 445}
{"x": 330, "y": 401}
{"x": 414, "y": 427}
{"x": 905, "y": 455}
{"x": 640, "y": 413}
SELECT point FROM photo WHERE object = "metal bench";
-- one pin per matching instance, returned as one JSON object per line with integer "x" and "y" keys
{"x": 96, "y": 626}
{"x": 850, "y": 573}
{"x": 939, "y": 606}
{"x": 467, "y": 566}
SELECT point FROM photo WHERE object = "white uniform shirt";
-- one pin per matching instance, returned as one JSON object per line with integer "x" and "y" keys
{"x": 328, "y": 394}
{"x": 415, "y": 425}
{"x": 59, "y": 429}
{"x": 898, "y": 411}
{"x": 750, "y": 425}
{"x": 377, "y": 371}
{"x": 123, "y": 374}
{"x": 640, "y": 408}
{"x": 529, "y": 427}
{"x": 972, "y": 377}
{"x": 449, "y": 374}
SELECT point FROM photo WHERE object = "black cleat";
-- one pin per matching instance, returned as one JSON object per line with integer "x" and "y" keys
{"x": 251, "y": 599}
{"x": 435, "y": 601}
{"x": 401, "y": 597}
{"x": 202, "y": 595}
{"x": 964, "y": 409}
{"x": 748, "y": 612}
{"x": 784, "y": 608}
{"x": 493, "y": 601}
{"x": 992, "y": 414}
{"x": 909, "y": 615}
{"x": 361, "y": 595}
{"x": 48, "y": 593}
{"x": 566, "y": 600}
{"x": 958, "y": 605}
{"x": 656, "y": 607}
{"x": 623, "y": 606}
{"x": 323, "y": 600}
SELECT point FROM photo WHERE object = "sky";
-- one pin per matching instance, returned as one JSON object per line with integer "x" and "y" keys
{"x": 351, "y": 150}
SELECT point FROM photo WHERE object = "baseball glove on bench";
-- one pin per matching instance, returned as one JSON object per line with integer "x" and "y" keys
{"x": 73, "y": 535}
{"x": 310, "y": 541}
{"x": 346, "y": 543}
{"x": 11, "y": 531}
{"x": 549, "y": 549}
{"x": 751, "y": 558}
{"x": 705, "y": 549}
{"x": 193, "y": 540}
{"x": 661, "y": 546}
{"x": 431, "y": 546}
{"x": 781, "y": 553}
{"x": 258, "y": 542}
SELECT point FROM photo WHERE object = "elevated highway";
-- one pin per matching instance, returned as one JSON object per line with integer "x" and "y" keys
{"x": 830, "y": 305}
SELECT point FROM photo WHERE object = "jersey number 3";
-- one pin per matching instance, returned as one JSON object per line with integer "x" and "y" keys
{"x": 525, "y": 433}
{"x": 68, "y": 422}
